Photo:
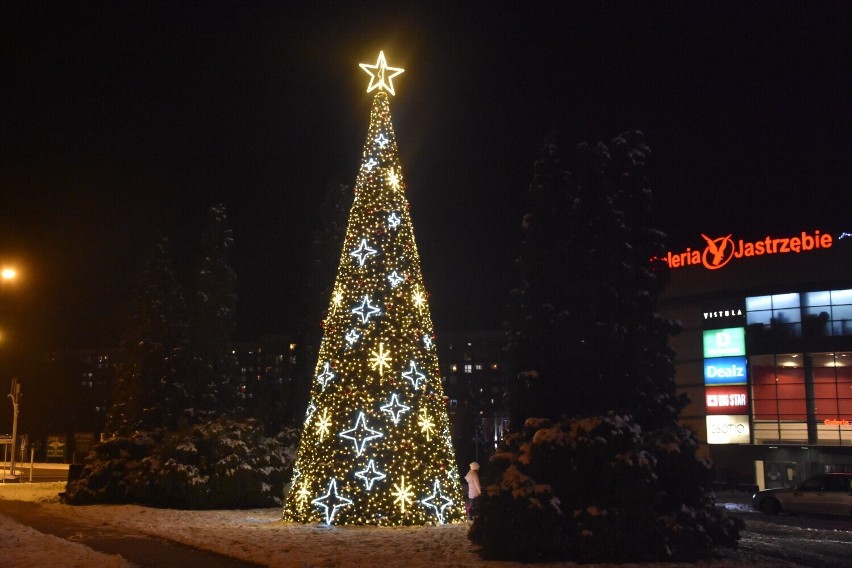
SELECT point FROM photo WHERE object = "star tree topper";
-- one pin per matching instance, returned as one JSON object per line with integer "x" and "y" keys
{"x": 381, "y": 76}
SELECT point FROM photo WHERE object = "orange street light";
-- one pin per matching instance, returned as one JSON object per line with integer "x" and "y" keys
{"x": 8, "y": 273}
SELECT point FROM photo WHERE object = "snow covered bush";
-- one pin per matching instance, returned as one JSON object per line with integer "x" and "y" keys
{"x": 217, "y": 464}
{"x": 599, "y": 490}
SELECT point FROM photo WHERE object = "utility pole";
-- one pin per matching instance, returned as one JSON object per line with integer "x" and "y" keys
{"x": 15, "y": 395}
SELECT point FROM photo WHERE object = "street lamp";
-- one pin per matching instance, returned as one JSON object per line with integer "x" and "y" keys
{"x": 15, "y": 395}
{"x": 8, "y": 273}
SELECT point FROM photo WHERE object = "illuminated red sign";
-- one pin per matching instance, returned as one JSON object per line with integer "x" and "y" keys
{"x": 727, "y": 400}
{"x": 721, "y": 250}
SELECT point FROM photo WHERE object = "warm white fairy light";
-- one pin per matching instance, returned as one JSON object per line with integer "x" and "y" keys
{"x": 376, "y": 434}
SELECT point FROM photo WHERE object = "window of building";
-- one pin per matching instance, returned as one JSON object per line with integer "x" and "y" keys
{"x": 468, "y": 368}
{"x": 833, "y": 397}
{"x": 479, "y": 366}
{"x": 776, "y": 314}
{"x": 779, "y": 402}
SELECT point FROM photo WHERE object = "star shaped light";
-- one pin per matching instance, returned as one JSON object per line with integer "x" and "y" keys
{"x": 370, "y": 475}
{"x": 404, "y": 494}
{"x": 370, "y": 164}
{"x": 381, "y": 76}
{"x": 331, "y": 501}
{"x": 351, "y": 337}
{"x": 380, "y": 359}
{"x": 366, "y": 309}
{"x": 360, "y": 434}
{"x": 394, "y": 220}
{"x": 381, "y": 141}
{"x": 394, "y": 278}
{"x": 311, "y": 409}
{"x": 427, "y": 342}
{"x": 326, "y": 376}
{"x": 395, "y": 408}
{"x": 438, "y": 501}
{"x": 362, "y": 252}
{"x": 413, "y": 375}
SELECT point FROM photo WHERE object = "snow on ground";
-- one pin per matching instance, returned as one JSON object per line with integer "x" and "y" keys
{"x": 23, "y": 546}
{"x": 260, "y": 536}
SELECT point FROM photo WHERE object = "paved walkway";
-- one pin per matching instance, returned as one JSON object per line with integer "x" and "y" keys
{"x": 142, "y": 550}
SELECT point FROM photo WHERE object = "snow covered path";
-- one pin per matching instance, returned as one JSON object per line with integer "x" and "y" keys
{"x": 260, "y": 536}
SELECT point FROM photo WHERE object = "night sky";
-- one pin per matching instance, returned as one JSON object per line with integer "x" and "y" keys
{"x": 122, "y": 119}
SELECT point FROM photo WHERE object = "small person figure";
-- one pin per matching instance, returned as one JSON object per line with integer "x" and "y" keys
{"x": 473, "y": 489}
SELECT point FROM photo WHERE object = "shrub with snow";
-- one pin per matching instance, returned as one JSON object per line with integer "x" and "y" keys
{"x": 600, "y": 490}
{"x": 217, "y": 464}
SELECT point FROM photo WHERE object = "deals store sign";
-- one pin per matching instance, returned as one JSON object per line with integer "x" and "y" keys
{"x": 728, "y": 429}
{"x": 725, "y": 371}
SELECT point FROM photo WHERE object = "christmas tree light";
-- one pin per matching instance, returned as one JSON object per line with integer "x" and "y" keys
{"x": 375, "y": 447}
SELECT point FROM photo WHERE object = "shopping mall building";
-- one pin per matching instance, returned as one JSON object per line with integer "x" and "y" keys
{"x": 765, "y": 354}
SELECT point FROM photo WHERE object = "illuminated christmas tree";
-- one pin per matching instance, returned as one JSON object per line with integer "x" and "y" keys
{"x": 375, "y": 446}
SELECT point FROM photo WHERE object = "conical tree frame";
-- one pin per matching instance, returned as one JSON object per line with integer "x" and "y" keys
{"x": 376, "y": 446}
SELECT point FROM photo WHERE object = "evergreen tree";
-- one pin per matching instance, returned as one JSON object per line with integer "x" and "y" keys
{"x": 145, "y": 394}
{"x": 613, "y": 478}
{"x": 332, "y": 217}
{"x": 585, "y": 335}
{"x": 211, "y": 367}
{"x": 375, "y": 446}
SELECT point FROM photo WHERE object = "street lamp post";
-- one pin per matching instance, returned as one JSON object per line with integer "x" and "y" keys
{"x": 15, "y": 395}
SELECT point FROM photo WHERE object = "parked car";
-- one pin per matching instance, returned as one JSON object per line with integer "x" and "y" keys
{"x": 827, "y": 494}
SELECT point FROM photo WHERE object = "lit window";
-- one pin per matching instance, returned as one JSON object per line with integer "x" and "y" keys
{"x": 468, "y": 368}
{"x": 479, "y": 366}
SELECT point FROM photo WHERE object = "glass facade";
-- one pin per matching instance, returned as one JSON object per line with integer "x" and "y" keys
{"x": 800, "y": 367}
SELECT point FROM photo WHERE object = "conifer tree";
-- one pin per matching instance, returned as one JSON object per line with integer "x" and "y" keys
{"x": 145, "y": 395}
{"x": 375, "y": 446}
{"x": 585, "y": 335}
{"x": 211, "y": 366}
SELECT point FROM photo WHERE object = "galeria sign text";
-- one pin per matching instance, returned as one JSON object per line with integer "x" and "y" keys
{"x": 720, "y": 251}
